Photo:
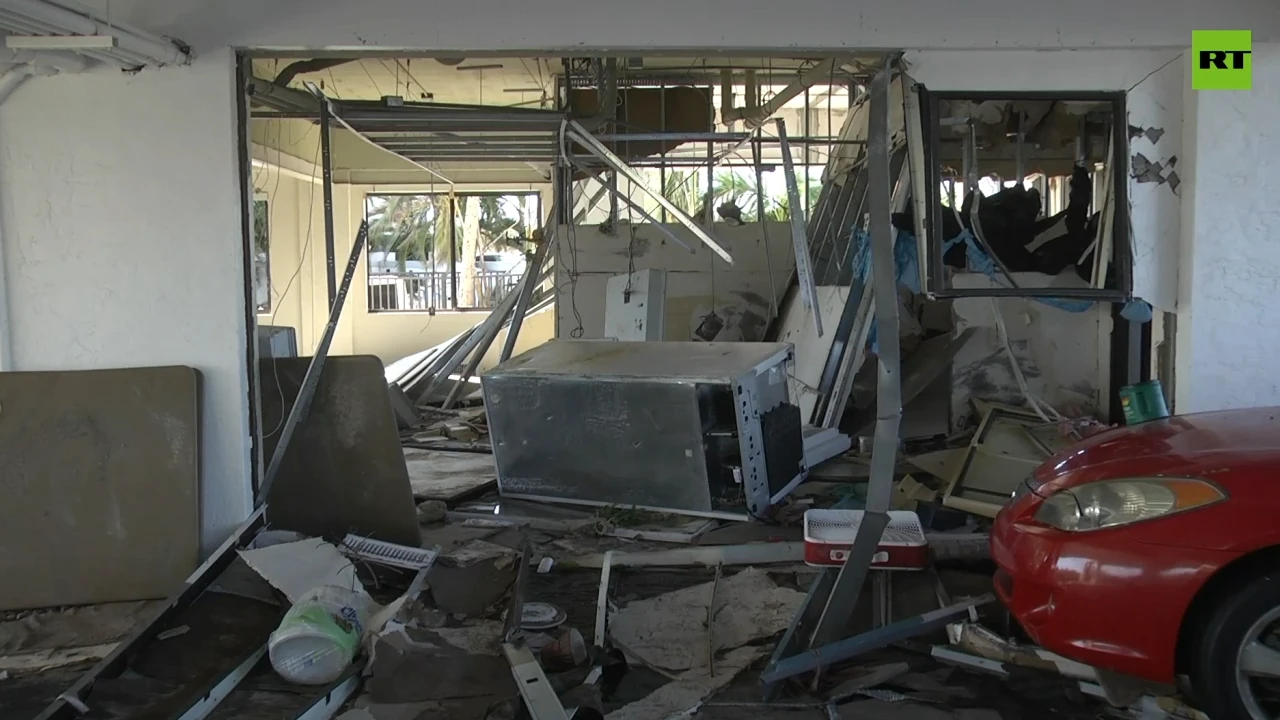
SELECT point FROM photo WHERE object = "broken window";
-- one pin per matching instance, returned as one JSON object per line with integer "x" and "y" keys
{"x": 1020, "y": 188}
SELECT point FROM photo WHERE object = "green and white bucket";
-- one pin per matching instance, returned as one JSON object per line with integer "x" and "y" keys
{"x": 1143, "y": 402}
{"x": 319, "y": 636}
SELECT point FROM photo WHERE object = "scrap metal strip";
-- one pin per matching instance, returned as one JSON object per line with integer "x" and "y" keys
{"x": 331, "y": 702}
{"x": 478, "y": 344}
{"x": 207, "y": 703}
{"x": 526, "y": 291}
{"x": 824, "y": 656}
{"x": 804, "y": 268}
{"x": 796, "y": 637}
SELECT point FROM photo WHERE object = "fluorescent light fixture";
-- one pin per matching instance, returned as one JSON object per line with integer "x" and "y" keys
{"x": 479, "y": 67}
{"x": 60, "y": 42}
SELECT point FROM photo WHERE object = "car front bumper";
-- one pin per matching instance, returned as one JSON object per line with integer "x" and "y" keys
{"x": 1103, "y": 598}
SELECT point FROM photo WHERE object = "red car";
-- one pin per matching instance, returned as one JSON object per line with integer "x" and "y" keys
{"x": 1154, "y": 551}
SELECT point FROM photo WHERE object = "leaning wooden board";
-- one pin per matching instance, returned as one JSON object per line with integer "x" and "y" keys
{"x": 99, "y": 475}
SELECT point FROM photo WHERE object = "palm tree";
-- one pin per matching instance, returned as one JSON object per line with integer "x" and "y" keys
{"x": 469, "y": 218}
{"x": 414, "y": 227}
{"x": 684, "y": 190}
{"x": 781, "y": 208}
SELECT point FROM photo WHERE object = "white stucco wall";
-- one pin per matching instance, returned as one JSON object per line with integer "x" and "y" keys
{"x": 120, "y": 223}
{"x": 1228, "y": 338}
{"x": 1155, "y": 111}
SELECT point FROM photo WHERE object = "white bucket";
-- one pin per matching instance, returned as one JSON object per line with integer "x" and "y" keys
{"x": 320, "y": 635}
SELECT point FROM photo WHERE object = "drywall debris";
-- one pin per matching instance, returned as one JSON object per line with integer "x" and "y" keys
{"x": 670, "y": 631}
{"x": 414, "y": 665}
{"x": 72, "y": 627}
{"x": 41, "y": 660}
{"x": 297, "y": 567}
{"x": 472, "y": 578}
{"x": 174, "y": 632}
{"x": 909, "y": 492}
{"x": 681, "y": 696}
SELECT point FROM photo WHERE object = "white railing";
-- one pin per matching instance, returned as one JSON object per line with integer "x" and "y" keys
{"x": 423, "y": 291}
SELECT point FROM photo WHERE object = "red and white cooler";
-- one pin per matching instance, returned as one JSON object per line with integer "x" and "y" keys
{"x": 829, "y": 534}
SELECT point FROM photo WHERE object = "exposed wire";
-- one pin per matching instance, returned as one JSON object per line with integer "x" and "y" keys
{"x": 578, "y": 330}
{"x": 409, "y": 76}
{"x": 333, "y": 84}
{"x": 302, "y": 259}
{"x": 375, "y": 82}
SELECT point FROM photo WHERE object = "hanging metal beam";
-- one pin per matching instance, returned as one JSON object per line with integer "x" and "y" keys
{"x": 804, "y": 269}
{"x": 580, "y": 135}
{"x": 488, "y": 335}
{"x": 326, "y": 168}
{"x": 311, "y": 381}
{"x": 764, "y": 225}
{"x": 526, "y": 291}
{"x": 644, "y": 214}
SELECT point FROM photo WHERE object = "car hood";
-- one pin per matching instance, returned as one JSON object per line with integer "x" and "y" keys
{"x": 1186, "y": 444}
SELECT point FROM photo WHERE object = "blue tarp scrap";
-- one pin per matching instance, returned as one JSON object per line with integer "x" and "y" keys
{"x": 906, "y": 262}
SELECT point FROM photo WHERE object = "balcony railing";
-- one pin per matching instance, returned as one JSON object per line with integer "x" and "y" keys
{"x": 423, "y": 291}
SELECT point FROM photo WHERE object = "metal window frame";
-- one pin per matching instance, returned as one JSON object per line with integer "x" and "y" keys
{"x": 453, "y": 232}
{"x": 1122, "y": 259}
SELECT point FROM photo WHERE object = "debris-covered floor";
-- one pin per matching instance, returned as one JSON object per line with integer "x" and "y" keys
{"x": 690, "y": 626}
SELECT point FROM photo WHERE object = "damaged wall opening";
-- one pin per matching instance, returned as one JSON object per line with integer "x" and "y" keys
{"x": 1027, "y": 183}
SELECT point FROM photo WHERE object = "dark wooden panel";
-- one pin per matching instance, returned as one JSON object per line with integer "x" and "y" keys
{"x": 99, "y": 474}
{"x": 344, "y": 470}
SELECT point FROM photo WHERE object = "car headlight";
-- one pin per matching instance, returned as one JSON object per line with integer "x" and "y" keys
{"x": 1111, "y": 503}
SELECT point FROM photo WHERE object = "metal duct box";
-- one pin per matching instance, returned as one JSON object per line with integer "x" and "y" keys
{"x": 670, "y": 426}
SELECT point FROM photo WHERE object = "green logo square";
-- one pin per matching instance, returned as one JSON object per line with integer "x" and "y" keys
{"x": 1221, "y": 60}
